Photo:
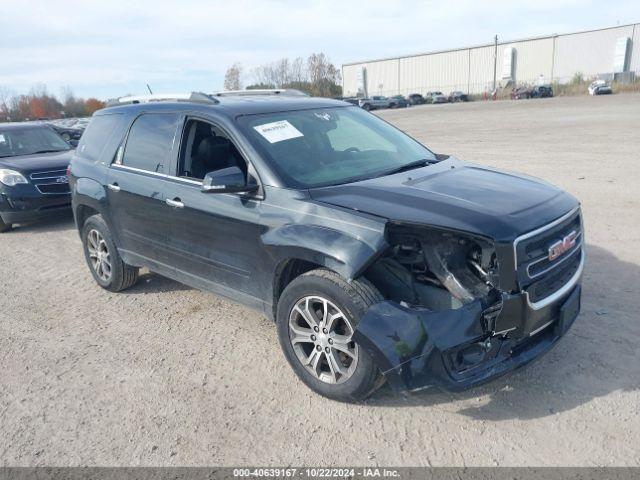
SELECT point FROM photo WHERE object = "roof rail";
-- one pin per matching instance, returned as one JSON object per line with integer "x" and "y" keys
{"x": 194, "y": 97}
{"x": 288, "y": 92}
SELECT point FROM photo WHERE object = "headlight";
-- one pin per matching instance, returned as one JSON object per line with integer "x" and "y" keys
{"x": 11, "y": 177}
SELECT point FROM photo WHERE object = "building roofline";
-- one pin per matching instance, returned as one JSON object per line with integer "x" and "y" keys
{"x": 484, "y": 45}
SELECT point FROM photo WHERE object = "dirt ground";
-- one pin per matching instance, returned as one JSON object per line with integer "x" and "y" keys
{"x": 167, "y": 375}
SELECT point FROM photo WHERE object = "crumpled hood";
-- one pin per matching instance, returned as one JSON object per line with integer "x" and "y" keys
{"x": 457, "y": 195}
{"x": 38, "y": 162}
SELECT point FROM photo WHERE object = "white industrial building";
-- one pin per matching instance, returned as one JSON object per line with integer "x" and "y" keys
{"x": 599, "y": 53}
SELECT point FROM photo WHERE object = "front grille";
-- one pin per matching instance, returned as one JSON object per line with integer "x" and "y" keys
{"x": 53, "y": 188}
{"x": 555, "y": 279}
{"x": 52, "y": 182}
{"x": 537, "y": 274}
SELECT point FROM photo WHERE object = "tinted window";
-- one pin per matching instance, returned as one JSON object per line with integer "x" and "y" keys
{"x": 207, "y": 148}
{"x": 150, "y": 141}
{"x": 94, "y": 139}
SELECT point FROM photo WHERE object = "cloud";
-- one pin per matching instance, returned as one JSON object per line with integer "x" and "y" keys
{"x": 116, "y": 47}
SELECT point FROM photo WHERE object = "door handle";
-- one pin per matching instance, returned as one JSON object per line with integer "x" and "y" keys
{"x": 114, "y": 187}
{"x": 174, "y": 203}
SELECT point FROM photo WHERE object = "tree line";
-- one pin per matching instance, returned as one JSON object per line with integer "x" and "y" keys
{"x": 316, "y": 76}
{"x": 40, "y": 104}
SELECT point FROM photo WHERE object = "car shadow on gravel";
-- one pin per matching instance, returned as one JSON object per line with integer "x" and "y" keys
{"x": 149, "y": 282}
{"x": 56, "y": 223}
{"x": 597, "y": 357}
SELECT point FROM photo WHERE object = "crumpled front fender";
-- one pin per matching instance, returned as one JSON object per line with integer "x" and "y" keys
{"x": 346, "y": 254}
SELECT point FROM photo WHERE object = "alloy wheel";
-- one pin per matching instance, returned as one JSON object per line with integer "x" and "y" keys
{"x": 99, "y": 255}
{"x": 321, "y": 338}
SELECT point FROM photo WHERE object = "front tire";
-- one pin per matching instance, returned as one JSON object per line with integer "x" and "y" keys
{"x": 107, "y": 267}
{"x": 317, "y": 315}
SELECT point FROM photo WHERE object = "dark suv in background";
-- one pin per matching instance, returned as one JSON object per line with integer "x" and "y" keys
{"x": 377, "y": 258}
{"x": 33, "y": 178}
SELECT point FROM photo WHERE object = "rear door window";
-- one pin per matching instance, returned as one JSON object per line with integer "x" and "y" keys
{"x": 150, "y": 142}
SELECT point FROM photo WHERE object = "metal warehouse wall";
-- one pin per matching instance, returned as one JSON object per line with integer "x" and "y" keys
{"x": 544, "y": 59}
{"x": 589, "y": 53}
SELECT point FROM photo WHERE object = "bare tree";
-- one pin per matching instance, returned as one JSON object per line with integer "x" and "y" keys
{"x": 298, "y": 71}
{"x": 323, "y": 75}
{"x": 5, "y": 103}
{"x": 73, "y": 106}
{"x": 317, "y": 75}
{"x": 232, "y": 77}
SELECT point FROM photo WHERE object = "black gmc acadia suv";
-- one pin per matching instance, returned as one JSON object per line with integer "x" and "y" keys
{"x": 377, "y": 258}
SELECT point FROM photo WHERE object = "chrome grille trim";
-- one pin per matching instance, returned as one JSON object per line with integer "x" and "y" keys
{"x": 540, "y": 230}
{"x": 578, "y": 249}
{"x": 557, "y": 263}
{"x": 54, "y": 174}
{"x": 566, "y": 288}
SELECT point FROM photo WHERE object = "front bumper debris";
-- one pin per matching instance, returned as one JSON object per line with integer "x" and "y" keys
{"x": 416, "y": 348}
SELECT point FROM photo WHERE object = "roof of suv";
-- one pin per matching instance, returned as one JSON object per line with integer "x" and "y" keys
{"x": 234, "y": 106}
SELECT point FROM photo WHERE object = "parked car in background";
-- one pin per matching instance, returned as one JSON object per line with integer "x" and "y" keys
{"x": 458, "y": 96}
{"x": 69, "y": 134}
{"x": 71, "y": 129}
{"x": 541, "y": 91}
{"x": 398, "y": 101}
{"x": 520, "y": 92}
{"x": 375, "y": 102}
{"x": 416, "y": 99}
{"x": 437, "y": 97}
{"x": 600, "y": 87}
{"x": 351, "y": 100}
{"x": 33, "y": 173}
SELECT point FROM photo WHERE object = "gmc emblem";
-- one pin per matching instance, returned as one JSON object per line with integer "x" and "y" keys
{"x": 561, "y": 246}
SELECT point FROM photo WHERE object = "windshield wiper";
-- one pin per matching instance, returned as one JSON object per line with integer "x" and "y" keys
{"x": 406, "y": 167}
{"x": 46, "y": 151}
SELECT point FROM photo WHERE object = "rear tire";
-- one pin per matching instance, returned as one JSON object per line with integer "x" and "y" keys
{"x": 5, "y": 227}
{"x": 317, "y": 314}
{"x": 107, "y": 267}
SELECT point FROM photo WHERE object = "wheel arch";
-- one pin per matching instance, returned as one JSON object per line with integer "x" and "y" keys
{"x": 297, "y": 249}
{"x": 89, "y": 198}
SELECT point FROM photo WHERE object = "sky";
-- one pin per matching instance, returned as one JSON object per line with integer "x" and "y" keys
{"x": 110, "y": 48}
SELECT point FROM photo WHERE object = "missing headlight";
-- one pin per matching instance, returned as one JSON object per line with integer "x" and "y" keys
{"x": 436, "y": 269}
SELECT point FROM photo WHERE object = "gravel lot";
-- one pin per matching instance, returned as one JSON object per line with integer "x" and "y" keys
{"x": 167, "y": 375}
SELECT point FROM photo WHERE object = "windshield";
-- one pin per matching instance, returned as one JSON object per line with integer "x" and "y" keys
{"x": 321, "y": 147}
{"x": 30, "y": 140}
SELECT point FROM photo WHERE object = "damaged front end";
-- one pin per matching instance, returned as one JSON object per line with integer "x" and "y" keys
{"x": 446, "y": 319}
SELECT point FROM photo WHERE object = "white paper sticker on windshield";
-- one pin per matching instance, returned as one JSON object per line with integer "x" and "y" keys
{"x": 2, "y": 140}
{"x": 278, "y": 131}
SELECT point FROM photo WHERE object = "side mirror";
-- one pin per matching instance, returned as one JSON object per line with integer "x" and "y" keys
{"x": 73, "y": 143}
{"x": 227, "y": 180}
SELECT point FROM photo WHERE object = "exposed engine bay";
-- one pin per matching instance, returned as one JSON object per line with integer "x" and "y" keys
{"x": 436, "y": 269}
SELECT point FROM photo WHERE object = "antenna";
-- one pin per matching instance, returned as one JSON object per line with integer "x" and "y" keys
{"x": 149, "y": 88}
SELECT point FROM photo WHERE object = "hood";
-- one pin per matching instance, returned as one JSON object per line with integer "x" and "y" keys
{"x": 38, "y": 162}
{"x": 456, "y": 195}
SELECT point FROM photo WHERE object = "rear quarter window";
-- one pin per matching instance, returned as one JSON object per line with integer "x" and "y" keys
{"x": 101, "y": 137}
{"x": 150, "y": 142}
